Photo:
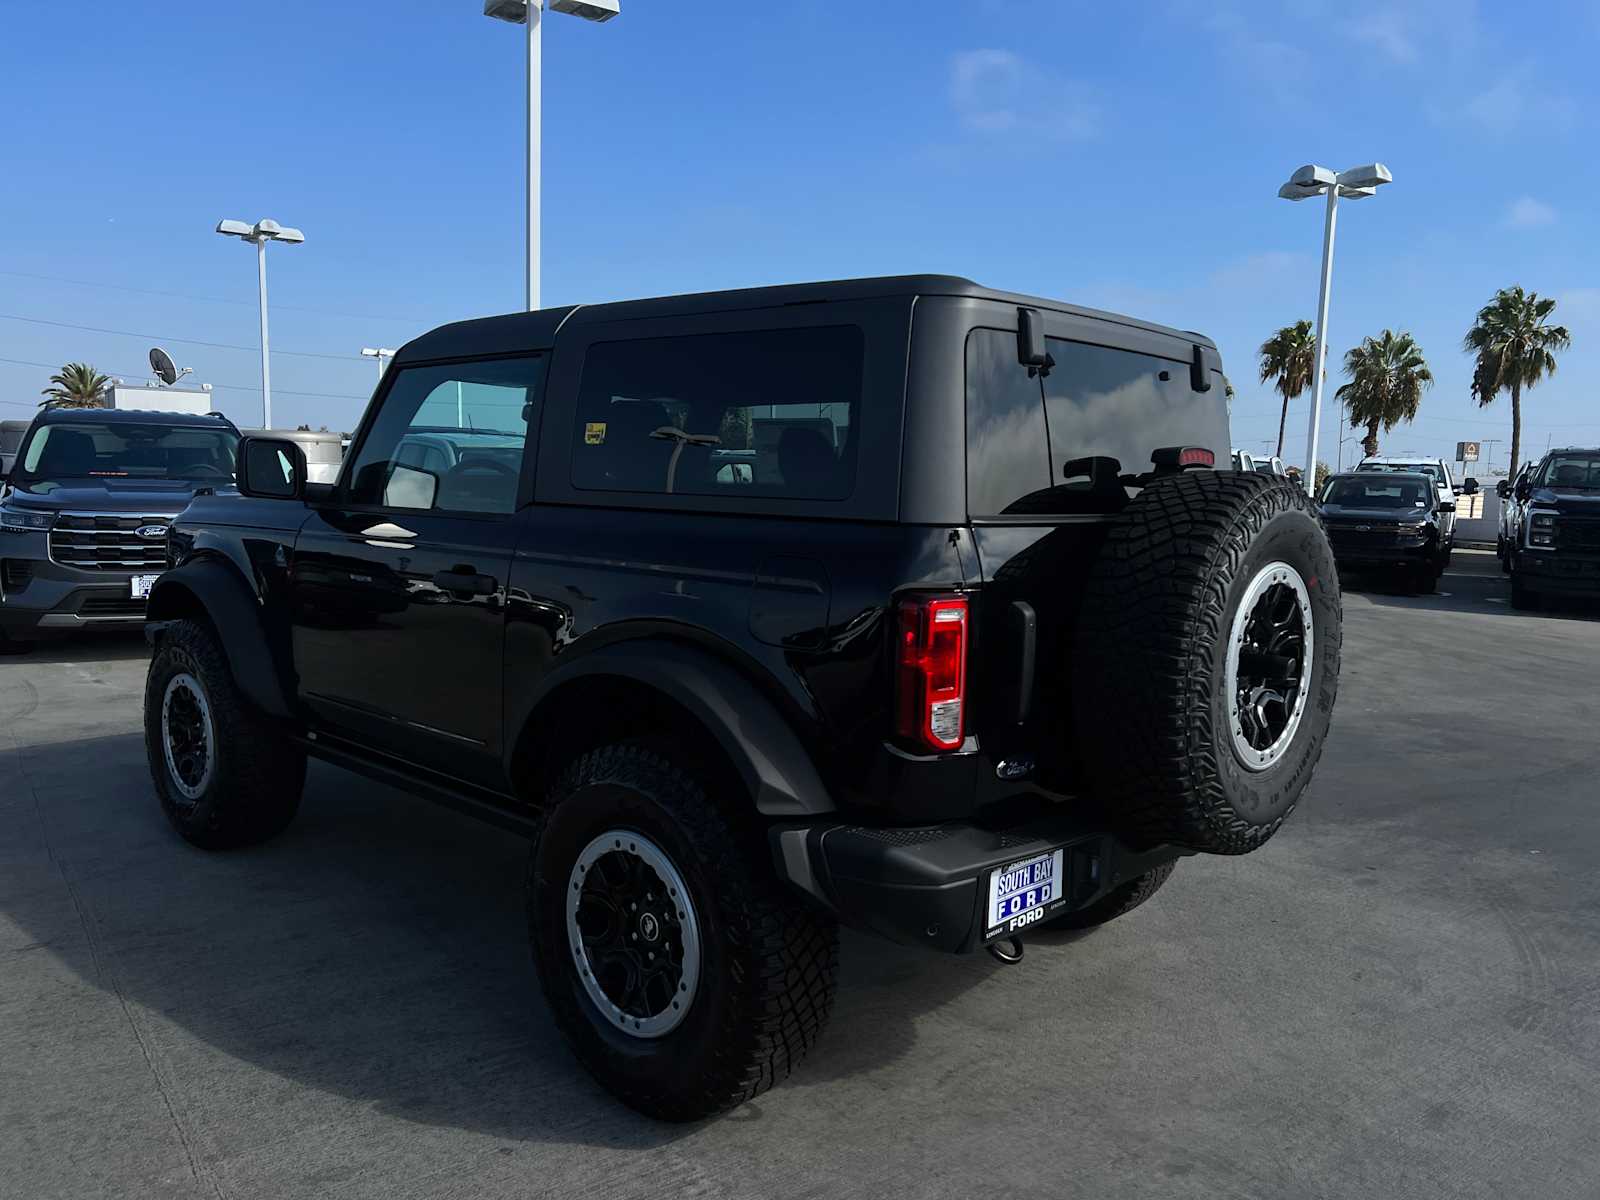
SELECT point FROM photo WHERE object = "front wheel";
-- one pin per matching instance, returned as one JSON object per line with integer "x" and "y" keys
{"x": 225, "y": 775}
{"x": 682, "y": 973}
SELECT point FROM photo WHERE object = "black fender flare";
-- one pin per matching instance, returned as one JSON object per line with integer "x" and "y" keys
{"x": 229, "y": 604}
{"x": 758, "y": 740}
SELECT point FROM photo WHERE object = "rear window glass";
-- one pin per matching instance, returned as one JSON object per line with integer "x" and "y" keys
{"x": 1065, "y": 445}
{"x": 767, "y": 413}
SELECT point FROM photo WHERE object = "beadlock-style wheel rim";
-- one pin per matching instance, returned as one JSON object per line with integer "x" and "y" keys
{"x": 1269, "y": 665}
{"x": 633, "y": 934}
{"x": 188, "y": 737}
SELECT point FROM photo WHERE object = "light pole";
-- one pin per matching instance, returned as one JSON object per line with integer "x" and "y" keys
{"x": 261, "y": 233}
{"x": 529, "y": 12}
{"x": 381, "y": 353}
{"x": 1355, "y": 184}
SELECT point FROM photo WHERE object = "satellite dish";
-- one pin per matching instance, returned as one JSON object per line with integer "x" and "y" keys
{"x": 161, "y": 363}
{"x": 166, "y": 370}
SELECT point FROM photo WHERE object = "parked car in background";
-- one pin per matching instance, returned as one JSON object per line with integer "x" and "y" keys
{"x": 1444, "y": 484}
{"x": 1510, "y": 527}
{"x": 1557, "y": 549}
{"x": 872, "y": 602}
{"x": 1243, "y": 460}
{"x": 1387, "y": 521}
{"x": 85, "y": 509}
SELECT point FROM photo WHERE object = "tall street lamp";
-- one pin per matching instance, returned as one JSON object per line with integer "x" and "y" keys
{"x": 261, "y": 233}
{"x": 528, "y": 12}
{"x": 1355, "y": 184}
{"x": 381, "y": 353}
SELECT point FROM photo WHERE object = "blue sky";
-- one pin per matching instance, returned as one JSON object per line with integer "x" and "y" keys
{"x": 1124, "y": 156}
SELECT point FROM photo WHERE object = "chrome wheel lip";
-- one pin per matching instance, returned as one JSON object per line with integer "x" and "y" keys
{"x": 625, "y": 841}
{"x": 185, "y": 682}
{"x": 1273, "y": 574}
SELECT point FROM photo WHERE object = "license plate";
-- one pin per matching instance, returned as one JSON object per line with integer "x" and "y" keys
{"x": 1022, "y": 892}
{"x": 139, "y": 586}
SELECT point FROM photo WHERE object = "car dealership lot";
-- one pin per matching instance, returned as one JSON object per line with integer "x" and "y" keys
{"x": 1398, "y": 995}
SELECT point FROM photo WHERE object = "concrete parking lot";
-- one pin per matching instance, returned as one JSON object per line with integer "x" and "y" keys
{"x": 1399, "y": 996}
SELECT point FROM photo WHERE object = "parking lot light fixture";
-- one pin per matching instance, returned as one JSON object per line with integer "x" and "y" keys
{"x": 528, "y": 13}
{"x": 262, "y": 232}
{"x": 1357, "y": 183}
{"x": 382, "y": 354}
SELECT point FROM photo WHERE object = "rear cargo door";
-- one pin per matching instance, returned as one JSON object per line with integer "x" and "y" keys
{"x": 1047, "y": 453}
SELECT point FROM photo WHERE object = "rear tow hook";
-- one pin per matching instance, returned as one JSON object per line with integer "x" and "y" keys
{"x": 1010, "y": 956}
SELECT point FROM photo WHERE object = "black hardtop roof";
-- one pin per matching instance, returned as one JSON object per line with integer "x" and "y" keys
{"x": 128, "y": 416}
{"x": 537, "y": 330}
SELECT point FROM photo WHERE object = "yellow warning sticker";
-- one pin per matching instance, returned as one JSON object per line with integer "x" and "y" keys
{"x": 594, "y": 432}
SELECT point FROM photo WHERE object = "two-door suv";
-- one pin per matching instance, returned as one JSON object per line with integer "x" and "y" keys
{"x": 902, "y": 603}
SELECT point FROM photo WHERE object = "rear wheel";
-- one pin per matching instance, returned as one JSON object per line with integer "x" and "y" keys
{"x": 682, "y": 973}
{"x": 226, "y": 776}
{"x": 1207, "y": 660}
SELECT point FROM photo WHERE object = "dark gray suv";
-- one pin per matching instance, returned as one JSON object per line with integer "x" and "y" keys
{"x": 85, "y": 509}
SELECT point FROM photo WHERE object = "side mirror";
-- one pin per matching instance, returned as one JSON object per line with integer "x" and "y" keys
{"x": 1469, "y": 486}
{"x": 1522, "y": 491}
{"x": 1503, "y": 489}
{"x": 1031, "y": 350}
{"x": 1447, "y": 506}
{"x": 272, "y": 469}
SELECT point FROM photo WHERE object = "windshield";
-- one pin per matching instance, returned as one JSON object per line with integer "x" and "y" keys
{"x": 128, "y": 451}
{"x": 1573, "y": 469}
{"x": 1431, "y": 470}
{"x": 1400, "y": 494}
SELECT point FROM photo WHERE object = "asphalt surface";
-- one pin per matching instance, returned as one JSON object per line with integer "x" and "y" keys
{"x": 1397, "y": 997}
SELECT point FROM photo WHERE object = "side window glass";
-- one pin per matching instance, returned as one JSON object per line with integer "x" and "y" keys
{"x": 1008, "y": 452}
{"x": 760, "y": 413}
{"x": 449, "y": 438}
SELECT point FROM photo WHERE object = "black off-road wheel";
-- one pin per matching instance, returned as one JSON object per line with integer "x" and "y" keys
{"x": 1206, "y": 660}
{"x": 226, "y": 776}
{"x": 1117, "y": 902}
{"x": 683, "y": 974}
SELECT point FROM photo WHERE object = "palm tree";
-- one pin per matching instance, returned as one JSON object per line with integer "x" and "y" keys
{"x": 76, "y": 385}
{"x": 1288, "y": 359}
{"x": 1515, "y": 349}
{"x": 1387, "y": 378}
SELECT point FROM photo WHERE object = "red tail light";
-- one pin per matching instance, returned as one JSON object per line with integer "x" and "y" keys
{"x": 931, "y": 672}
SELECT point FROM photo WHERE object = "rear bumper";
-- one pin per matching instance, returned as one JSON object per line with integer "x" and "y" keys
{"x": 927, "y": 885}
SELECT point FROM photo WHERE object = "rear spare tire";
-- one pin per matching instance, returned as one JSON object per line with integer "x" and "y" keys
{"x": 1206, "y": 660}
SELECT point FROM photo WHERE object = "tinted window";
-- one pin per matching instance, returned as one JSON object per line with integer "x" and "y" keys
{"x": 449, "y": 438}
{"x": 1108, "y": 410}
{"x": 1379, "y": 493}
{"x": 1571, "y": 469}
{"x": 1008, "y": 451}
{"x": 136, "y": 450}
{"x": 757, "y": 414}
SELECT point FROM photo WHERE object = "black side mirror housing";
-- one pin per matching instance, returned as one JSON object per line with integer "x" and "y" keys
{"x": 1031, "y": 350}
{"x": 1469, "y": 486}
{"x": 1447, "y": 506}
{"x": 272, "y": 469}
{"x": 1503, "y": 489}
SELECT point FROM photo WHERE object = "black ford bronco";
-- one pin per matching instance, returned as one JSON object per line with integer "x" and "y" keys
{"x": 902, "y": 603}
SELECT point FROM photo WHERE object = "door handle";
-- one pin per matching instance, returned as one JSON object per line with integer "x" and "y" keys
{"x": 465, "y": 579}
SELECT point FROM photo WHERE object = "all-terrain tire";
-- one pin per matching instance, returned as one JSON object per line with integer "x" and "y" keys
{"x": 256, "y": 775}
{"x": 1524, "y": 598}
{"x": 1152, "y": 718}
{"x": 768, "y": 961}
{"x": 1115, "y": 903}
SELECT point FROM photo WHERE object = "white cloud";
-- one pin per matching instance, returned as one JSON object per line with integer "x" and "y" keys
{"x": 1527, "y": 213}
{"x": 997, "y": 93}
{"x": 1389, "y": 31}
{"x": 1511, "y": 105}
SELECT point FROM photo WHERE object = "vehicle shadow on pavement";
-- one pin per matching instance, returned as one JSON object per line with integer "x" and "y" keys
{"x": 84, "y": 648}
{"x": 1463, "y": 592}
{"x": 376, "y": 951}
